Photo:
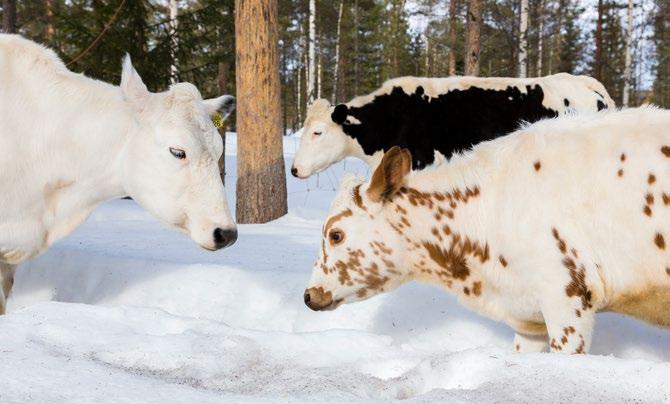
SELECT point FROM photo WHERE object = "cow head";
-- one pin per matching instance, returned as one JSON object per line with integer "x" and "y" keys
{"x": 170, "y": 163}
{"x": 361, "y": 253}
{"x": 323, "y": 141}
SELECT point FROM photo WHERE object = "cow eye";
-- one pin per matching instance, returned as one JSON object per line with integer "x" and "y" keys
{"x": 178, "y": 153}
{"x": 317, "y": 133}
{"x": 336, "y": 236}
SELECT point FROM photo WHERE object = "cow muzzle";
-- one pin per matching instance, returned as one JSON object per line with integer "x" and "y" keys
{"x": 318, "y": 299}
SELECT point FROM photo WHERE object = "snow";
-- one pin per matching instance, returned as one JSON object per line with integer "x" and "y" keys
{"x": 126, "y": 310}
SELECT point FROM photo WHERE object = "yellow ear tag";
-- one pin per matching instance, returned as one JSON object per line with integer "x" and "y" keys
{"x": 217, "y": 120}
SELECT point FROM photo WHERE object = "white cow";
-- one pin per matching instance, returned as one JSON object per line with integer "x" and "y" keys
{"x": 68, "y": 143}
{"x": 540, "y": 229}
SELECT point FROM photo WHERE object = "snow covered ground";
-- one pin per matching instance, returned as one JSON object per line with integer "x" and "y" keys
{"x": 126, "y": 310}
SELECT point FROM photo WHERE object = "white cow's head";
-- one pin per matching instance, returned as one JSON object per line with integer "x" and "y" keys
{"x": 170, "y": 164}
{"x": 323, "y": 141}
{"x": 361, "y": 253}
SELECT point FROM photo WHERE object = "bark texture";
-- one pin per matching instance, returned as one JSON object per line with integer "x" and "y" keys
{"x": 261, "y": 178}
{"x": 9, "y": 16}
{"x": 474, "y": 23}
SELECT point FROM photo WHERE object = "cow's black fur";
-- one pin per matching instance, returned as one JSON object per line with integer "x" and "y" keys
{"x": 451, "y": 122}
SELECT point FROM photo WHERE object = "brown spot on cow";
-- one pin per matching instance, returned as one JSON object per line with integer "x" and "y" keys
{"x": 620, "y": 172}
{"x": 647, "y": 210}
{"x": 651, "y": 179}
{"x": 450, "y": 260}
{"x": 466, "y": 290}
{"x": 503, "y": 261}
{"x": 659, "y": 240}
{"x": 666, "y": 198}
{"x": 649, "y": 198}
{"x": 477, "y": 288}
{"x": 334, "y": 219}
{"x": 537, "y": 165}
{"x": 622, "y": 157}
{"x": 358, "y": 200}
{"x": 577, "y": 286}
{"x": 667, "y": 271}
{"x": 560, "y": 242}
{"x": 666, "y": 151}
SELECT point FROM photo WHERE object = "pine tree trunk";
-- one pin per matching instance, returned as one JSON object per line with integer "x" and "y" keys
{"x": 474, "y": 22}
{"x": 540, "y": 38}
{"x": 452, "y": 37}
{"x": 355, "y": 47}
{"x": 523, "y": 39}
{"x": 311, "y": 45}
{"x": 261, "y": 179}
{"x": 598, "y": 63}
{"x": 174, "y": 13}
{"x": 222, "y": 80}
{"x": 629, "y": 45}
{"x": 336, "y": 72}
{"x": 9, "y": 16}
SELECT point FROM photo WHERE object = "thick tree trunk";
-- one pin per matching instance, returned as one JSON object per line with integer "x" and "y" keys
{"x": 9, "y": 16}
{"x": 311, "y": 46}
{"x": 336, "y": 72}
{"x": 261, "y": 177}
{"x": 598, "y": 63}
{"x": 452, "y": 37}
{"x": 523, "y": 39}
{"x": 474, "y": 22}
{"x": 629, "y": 45}
{"x": 223, "y": 89}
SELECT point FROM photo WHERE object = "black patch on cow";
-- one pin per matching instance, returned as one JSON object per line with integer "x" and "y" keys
{"x": 601, "y": 105}
{"x": 340, "y": 113}
{"x": 566, "y": 102}
{"x": 451, "y": 122}
{"x": 600, "y": 95}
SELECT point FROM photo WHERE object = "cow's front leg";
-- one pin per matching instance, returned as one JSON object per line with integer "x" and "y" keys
{"x": 569, "y": 324}
{"x": 526, "y": 343}
{"x": 7, "y": 280}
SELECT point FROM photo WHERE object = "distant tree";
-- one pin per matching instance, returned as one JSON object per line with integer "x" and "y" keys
{"x": 661, "y": 39}
{"x": 9, "y": 16}
{"x": 523, "y": 39}
{"x": 473, "y": 44}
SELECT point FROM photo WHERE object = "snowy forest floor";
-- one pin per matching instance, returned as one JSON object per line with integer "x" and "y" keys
{"x": 126, "y": 310}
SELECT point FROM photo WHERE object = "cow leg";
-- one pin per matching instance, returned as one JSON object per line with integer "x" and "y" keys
{"x": 569, "y": 324}
{"x": 526, "y": 343}
{"x": 7, "y": 280}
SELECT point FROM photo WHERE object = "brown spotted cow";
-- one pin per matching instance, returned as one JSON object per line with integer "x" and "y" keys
{"x": 540, "y": 229}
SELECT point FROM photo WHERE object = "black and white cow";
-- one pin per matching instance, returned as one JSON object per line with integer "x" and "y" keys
{"x": 435, "y": 117}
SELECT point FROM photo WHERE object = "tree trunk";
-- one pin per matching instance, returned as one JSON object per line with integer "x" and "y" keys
{"x": 629, "y": 45}
{"x": 452, "y": 37}
{"x": 355, "y": 47}
{"x": 261, "y": 177}
{"x": 174, "y": 43}
{"x": 49, "y": 27}
{"x": 474, "y": 23}
{"x": 336, "y": 72}
{"x": 523, "y": 39}
{"x": 223, "y": 89}
{"x": 598, "y": 63}
{"x": 540, "y": 38}
{"x": 311, "y": 45}
{"x": 9, "y": 16}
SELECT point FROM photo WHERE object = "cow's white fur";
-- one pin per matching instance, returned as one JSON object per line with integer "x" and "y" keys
{"x": 68, "y": 143}
{"x": 318, "y": 152}
{"x": 577, "y": 189}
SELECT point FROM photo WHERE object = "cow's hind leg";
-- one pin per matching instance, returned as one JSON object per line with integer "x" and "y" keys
{"x": 526, "y": 343}
{"x": 7, "y": 280}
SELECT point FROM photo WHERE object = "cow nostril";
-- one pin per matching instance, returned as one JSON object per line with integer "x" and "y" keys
{"x": 307, "y": 297}
{"x": 294, "y": 171}
{"x": 224, "y": 238}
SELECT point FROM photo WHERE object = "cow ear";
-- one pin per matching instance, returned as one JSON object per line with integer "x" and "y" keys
{"x": 340, "y": 113}
{"x": 390, "y": 175}
{"x": 223, "y": 105}
{"x": 132, "y": 86}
